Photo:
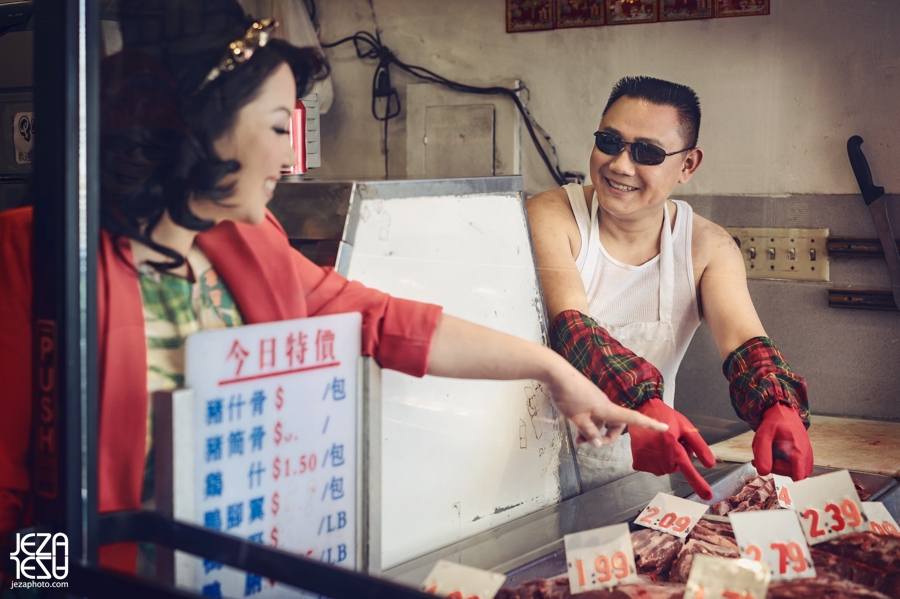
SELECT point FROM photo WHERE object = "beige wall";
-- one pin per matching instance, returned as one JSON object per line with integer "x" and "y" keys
{"x": 780, "y": 94}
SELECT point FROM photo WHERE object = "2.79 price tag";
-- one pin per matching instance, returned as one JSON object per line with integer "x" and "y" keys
{"x": 600, "y": 558}
{"x": 774, "y": 537}
{"x": 828, "y": 507}
{"x": 671, "y": 514}
{"x": 880, "y": 520}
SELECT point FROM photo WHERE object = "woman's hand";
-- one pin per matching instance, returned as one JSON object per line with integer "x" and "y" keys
{"x": 461, "y": 349}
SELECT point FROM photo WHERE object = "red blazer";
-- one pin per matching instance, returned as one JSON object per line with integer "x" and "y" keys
{"x": 269, "y": 280}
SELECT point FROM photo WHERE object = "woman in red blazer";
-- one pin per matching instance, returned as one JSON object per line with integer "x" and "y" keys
{"x": 191, "y": 153}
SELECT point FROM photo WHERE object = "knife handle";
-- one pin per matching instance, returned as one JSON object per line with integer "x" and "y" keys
{"x": 870, "y": 191}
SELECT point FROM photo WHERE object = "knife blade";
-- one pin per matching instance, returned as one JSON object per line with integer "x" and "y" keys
{"x": 874, "y": 198}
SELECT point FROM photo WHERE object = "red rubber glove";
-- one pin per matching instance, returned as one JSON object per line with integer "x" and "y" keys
{"x": 781, "y": 444}
{"x": 664, "y": 453}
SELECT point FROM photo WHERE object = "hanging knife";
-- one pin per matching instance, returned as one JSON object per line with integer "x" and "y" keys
{"x": 874, "y": 197}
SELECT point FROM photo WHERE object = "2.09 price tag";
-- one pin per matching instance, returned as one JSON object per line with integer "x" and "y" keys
{"x": 783, "y": 491}
{"x": 828, "y": 507}
{"x": 455, "y": 581}
{"x": 880, "y": 520}
{"x": 723, "y": 578}
{"x": 774, "y": 537}
{"x": 671, "y": 514}
{"x": 600, "y": 558}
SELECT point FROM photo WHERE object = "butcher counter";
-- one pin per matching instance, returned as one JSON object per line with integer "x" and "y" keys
{"x": 532, "y": 547}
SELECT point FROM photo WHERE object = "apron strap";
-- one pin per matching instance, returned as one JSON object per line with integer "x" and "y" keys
{"x": 666, "y": 269}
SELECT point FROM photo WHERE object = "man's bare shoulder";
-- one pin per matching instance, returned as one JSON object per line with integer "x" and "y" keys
{"x": 552, "y": 222}
{"x": 711, "y": 243}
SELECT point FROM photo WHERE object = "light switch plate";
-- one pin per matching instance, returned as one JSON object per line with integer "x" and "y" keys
{"x": 775, "y": 253}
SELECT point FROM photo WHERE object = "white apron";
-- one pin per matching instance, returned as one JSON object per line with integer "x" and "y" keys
{"x": 653, "y": 341}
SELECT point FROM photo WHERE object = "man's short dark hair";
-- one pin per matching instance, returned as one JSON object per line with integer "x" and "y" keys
{"x": 663, "y": 93}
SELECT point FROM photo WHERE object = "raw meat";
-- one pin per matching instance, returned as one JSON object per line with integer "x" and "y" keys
{"x": 558, "y": 588}
{"x": 716, "y": 533}
{"x": 877, "y": 551}
{"x": 654, "y": 552}
{"x": 821, "y": 587}
{"x": 682, "y": 566}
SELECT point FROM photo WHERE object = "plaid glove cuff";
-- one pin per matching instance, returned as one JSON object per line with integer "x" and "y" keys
{"x": 626, "y": 378}
{"x": 759, "y": 378}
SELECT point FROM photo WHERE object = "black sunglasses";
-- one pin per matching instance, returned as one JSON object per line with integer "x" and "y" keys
{"x": 641, "y": 152}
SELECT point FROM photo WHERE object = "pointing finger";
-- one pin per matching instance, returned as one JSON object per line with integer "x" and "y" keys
{"x": 697, "y": 482}
{"x": 699, "y": 447}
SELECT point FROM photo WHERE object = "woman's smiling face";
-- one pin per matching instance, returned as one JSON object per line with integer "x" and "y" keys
{"x": 624, "y": 187}
{"x": 260, "y": 142}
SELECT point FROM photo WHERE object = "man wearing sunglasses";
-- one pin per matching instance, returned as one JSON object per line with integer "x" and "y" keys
{"x": 628, "y": 274}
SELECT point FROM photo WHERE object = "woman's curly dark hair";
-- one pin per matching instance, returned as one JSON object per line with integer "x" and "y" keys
{"x": 158, "y": 133}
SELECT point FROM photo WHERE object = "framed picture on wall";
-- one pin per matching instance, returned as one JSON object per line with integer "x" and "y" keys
{"x": 529, "y": 15}
{"x": 580, "y": 13}
{"x": 622, "y": 12}
{"x": 741, "y": 8}
{"x": 683, "y": 10}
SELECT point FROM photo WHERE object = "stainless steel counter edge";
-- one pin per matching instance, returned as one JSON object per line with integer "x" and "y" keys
{"x": 512, "y": 545}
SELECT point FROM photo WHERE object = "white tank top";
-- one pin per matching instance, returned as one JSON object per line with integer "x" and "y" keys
{"x": 651, "y": 309}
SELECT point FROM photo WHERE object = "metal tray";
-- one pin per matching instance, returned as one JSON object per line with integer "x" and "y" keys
{"x": 874, "y": 484}
{"x": 891, "y": 501}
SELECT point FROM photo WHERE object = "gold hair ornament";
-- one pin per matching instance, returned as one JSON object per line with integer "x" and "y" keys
{"x": 242, "y": 49}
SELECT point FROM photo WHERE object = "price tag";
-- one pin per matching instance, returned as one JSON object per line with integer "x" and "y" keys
{"x": 828, "y": 506}
{"x": 455, "y": 581}
{"x": 782, "y": 490}
{"x": 600, "y": 558}
{"x": 723, "y": 578}
{"x": 880, "y": 520}
{"x": 774, "y": 537}
{"x": 671, "y": 514}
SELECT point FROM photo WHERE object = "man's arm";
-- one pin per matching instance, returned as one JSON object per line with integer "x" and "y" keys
{"x": 724, "y": 298}
{"x": 557, "y": 243}
{"x": 765, "y": 392}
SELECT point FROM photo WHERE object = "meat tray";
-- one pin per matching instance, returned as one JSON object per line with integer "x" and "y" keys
{"x": 875, "y": 485}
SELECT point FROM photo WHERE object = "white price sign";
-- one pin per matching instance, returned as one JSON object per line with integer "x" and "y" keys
{"x": 724, "y": 578}
{"x": 828, "y": 506}
{"x": 600, "y": 558}
{"x": 671, "y": 514}
{"x": 455, "y": 581}
{"x": 783, "y": 491}
{"x": 880, "y": 520}
{"x": 774, "y": 537}
{"x": 275, "y": 443}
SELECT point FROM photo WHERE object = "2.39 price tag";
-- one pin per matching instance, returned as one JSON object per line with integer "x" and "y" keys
{"x": 671, "y": 514}
{"x": 455, "y": 581}
{"x": 828, "y": 507}
{"x": 774, "y": 537}
{"x": 600, "y": 558}
{"x": 880, "y": 520}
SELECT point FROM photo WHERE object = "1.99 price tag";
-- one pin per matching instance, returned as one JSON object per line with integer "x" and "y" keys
{"x": 723, "y": 578}
{"x": 455, "y": 581}
{"x": 782, "y": 489}
{"x": 774, "y": 537}
{"x": 600, "y": 558}
{"x": 671, "y": 514}
{"x": 828, "y": 507}
{"x": 880, "y": 520}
